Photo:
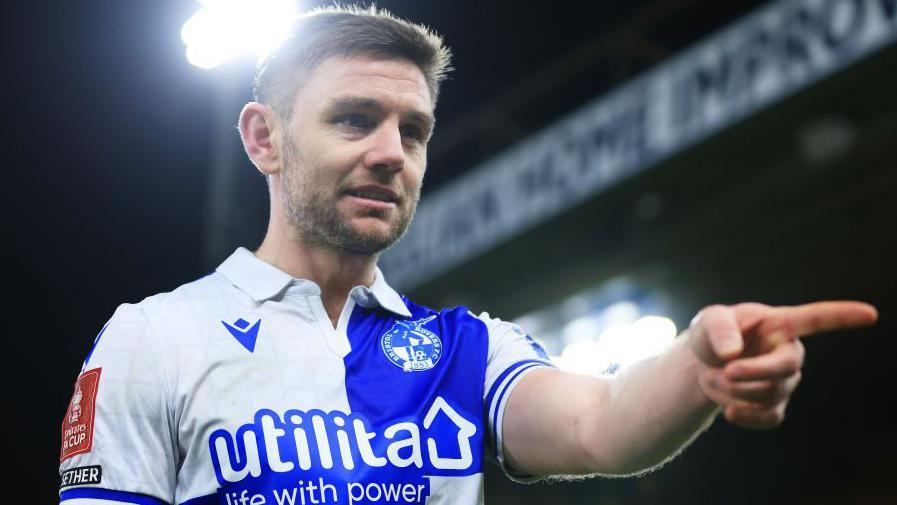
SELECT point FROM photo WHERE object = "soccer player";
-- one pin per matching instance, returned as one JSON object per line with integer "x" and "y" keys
{"x": 295, "y": 374}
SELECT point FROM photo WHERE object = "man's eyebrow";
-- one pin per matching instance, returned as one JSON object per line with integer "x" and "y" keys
{"x": 353, "y": 103}
{"x": 350, "y": 103}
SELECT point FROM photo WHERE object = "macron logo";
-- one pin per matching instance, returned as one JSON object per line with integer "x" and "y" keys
{"x": 244, "y": 333}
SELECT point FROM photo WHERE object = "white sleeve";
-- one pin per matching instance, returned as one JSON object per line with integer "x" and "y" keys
{"x": 118, "y": 436}
{"x": 512, "y": 354}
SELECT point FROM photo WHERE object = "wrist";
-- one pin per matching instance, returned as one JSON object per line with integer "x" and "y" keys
{"x": 695, "y": 369}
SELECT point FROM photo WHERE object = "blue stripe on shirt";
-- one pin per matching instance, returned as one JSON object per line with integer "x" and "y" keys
{"x": 514, "y": 370}
{"x": 108, "y": 494}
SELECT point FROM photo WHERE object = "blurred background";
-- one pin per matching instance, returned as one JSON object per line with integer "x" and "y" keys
{"x": 599, "y": 174}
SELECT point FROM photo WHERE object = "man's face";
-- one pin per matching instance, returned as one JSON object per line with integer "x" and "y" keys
{"x": 355, "y": 153}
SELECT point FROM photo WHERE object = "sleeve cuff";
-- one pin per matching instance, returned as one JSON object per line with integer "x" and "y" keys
{"x": 495, "y": 402}
{"x": 99, "y": 496}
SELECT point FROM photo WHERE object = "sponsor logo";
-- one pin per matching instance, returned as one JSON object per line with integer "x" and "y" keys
{"x": 82, "y": 475}
{"x": 410, "y": 346}
{"x": 316, "y": 442}
{"x": 245, "y": 333}
{"x": 77, "y": 426}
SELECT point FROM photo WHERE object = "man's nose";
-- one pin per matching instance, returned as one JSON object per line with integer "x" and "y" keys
{"x": 386, "y": 153}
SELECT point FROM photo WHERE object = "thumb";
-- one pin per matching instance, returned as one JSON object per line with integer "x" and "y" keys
{"x": 715, "y": 335}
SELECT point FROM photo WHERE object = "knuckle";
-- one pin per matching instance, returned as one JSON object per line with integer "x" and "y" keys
{"x": 710, "y": 311}
{"x": 787, "y": 326}
{"x": 773, "y": 418}
{"x": 779, "y": 413}
{"x": 750, "y": 306}
{"x": 792, "y": 364}
{"x": 736, "y": 416}
{"x": 717, "y": 309}
{"x": 797, "y": 353}
{"x": 718, "y": 383}
{"x": 780, "y": 392}
{"x": 815, "y": 320}
{"x": 787, "y": 387}
{"x": 770, "y": 394}
{"x": 757, "y": 417}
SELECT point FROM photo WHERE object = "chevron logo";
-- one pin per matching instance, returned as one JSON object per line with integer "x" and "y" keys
{"x": 244, "y": 333}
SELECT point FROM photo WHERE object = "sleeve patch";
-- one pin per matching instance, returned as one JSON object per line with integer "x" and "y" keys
{"x": 77, "y": 426}
{"x": 81, "y": 476}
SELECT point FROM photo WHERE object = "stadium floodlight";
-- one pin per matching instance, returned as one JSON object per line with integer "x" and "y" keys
{"x": 617, "y": 347}
{"x": 226, "y": 29}
{"x": 656, "y": 333}
{"x": 623, "y": 345}
{"x": 621, "y": 312}
{"x": 586, "y": 327}
{"x": 584, "y": 357}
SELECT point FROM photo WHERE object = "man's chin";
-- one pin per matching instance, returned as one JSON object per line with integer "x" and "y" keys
{"x": 372, "y": 226}
{"x": 371, "y": 235}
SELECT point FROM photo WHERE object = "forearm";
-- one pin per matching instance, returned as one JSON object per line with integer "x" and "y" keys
{"x": 746, "y": 358}
{"x": 563, "y": 423}
{"x": 648, "y": 414}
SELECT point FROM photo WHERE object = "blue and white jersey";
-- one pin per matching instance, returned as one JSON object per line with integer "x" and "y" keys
{"x": 237, "y": 389}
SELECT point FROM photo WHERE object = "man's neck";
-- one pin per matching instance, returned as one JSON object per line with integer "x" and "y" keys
{"x": 335, "y": 272}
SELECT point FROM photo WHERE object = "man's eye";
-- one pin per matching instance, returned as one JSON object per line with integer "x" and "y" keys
{"x": 412, "y": 132}
{"x": 355, "y": 121}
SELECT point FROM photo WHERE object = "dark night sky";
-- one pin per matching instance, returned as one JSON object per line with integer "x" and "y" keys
{"x": 107, "y": 144}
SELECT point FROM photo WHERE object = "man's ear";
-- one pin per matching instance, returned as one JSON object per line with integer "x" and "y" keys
{"x": 259, "y": 129}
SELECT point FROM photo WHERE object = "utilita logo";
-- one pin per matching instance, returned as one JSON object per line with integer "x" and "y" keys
{"x": 317, "y": 440}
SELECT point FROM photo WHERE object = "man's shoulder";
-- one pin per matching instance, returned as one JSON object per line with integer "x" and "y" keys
{"x": 211, "y": 285}
{"x": 211, "y": 289}
{"x": 459, "y": 314}
{"x": 462, "y": 314}
{"x": 418, "y": 310}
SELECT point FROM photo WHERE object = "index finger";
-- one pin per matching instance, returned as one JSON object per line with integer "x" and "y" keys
{"x": 811, "y": 318}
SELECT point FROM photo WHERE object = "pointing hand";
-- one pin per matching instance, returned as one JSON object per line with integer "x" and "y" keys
{"x": 752, "y": 356}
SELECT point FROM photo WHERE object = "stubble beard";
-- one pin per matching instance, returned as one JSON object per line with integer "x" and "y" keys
{"x": 314, "y": 217}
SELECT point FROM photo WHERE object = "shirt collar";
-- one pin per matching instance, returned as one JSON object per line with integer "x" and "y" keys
{"x": 387, "y": 297}
{"x": 263, "y": 281}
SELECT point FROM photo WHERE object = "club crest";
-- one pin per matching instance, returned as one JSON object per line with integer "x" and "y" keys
{"x": 412, "y": 347}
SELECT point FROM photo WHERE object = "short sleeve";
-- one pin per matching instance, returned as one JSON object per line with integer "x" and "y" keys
{"x": 118, "y": 442}
{"x": 512, "y": 354}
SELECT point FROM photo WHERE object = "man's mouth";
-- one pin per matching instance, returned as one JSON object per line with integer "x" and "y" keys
{"x": 375, "y": 193}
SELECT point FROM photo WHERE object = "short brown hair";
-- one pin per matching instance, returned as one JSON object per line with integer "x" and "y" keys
{"x": 346, "y": 31}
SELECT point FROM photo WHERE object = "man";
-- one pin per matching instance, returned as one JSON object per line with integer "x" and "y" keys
{"x": 295, "y": 374}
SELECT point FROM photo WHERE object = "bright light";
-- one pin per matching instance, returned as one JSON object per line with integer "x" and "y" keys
{"x": 625, "y": 344}
{"x": 623, "y": 312}
{"x": 655, "y": 332}
{"x": 225, "y": 29}
{"x": 583, "y": 357}
{"x": 581, "y": 328}
{"x": 617, "y": 347}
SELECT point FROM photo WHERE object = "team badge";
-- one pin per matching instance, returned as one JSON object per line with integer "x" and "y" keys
{"x": 412, "y": 347}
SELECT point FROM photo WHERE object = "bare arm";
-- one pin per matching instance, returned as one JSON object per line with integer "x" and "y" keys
{"x": 563, "y": 423}
{"x": 744, "y": 360}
